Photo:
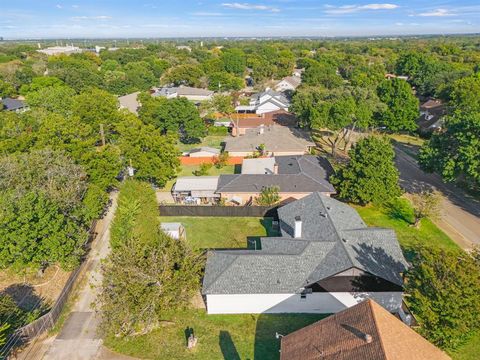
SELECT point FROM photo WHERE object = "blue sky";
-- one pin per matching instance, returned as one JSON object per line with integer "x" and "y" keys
{"x": 170, "y": 18}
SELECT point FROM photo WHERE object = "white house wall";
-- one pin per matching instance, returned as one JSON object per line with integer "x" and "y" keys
{"x": 320, "y": 303}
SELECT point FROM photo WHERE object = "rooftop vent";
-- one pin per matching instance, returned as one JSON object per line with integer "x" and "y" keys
{"x": 368, "y": 338}
{"x": 298, "y": 227}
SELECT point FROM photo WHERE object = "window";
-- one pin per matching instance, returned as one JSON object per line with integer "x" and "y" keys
{"x": 303, "y": 296}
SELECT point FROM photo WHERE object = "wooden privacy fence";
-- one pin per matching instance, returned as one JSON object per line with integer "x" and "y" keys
{"x": 47, "y": 321}
{"x": 219, "y": 211}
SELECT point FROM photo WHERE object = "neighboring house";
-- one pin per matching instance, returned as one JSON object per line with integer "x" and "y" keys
{"x": 196, "y": 189}
{"x": 264, "y": 102}
{"x": 240, "y": 125}
{"x": 298, "y": 72}
{"x": 130, "y": 102}
{"x": 57, "y": 50}
{"x": 174, "y": 230}
{"x": 431, "y": 115}
{"x": 364, "y": 331}
{"x": 290, "y": 83}
{"x": 204, "y": 152}
{"x": 184, "y": 47}
{"x": 393, "y": 76}
{"x": 295, "y": 176}
{"x": 326, "y": 260}
{"x": 276, "y": 140}
{"x": 191, "y": 93}
{"x": 16, "y": 105}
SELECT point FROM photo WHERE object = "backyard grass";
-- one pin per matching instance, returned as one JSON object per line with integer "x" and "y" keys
{"x": 231, "y": 337}
{"x": 188, "y": 170}
{"x": 222, "y": 232}
{"x": 408, "y": 236}
{"x": 214, "y": 141}
{"x": 468, "y": 351}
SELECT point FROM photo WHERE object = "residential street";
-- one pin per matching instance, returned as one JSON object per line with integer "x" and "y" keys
{"x": 460, "y": 212}
{"x": 78, "y": 339}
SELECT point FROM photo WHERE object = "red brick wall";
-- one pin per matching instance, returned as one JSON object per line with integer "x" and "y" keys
{"x": 186, "y": 160}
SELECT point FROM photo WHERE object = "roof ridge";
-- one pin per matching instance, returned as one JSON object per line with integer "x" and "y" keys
{"x": 375, "y": 321}
{"x": 337, "y": 232}
{"x": 233, "y": 177}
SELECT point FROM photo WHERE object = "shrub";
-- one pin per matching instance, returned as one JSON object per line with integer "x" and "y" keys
{"x": 400, "y": 208}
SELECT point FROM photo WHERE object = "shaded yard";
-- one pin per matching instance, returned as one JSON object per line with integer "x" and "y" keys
{"x": 231, "y": 337}
{"x": 214, "y": 141}
{"x": 468, "y": 351}
{"x": 222, "y": 232}
{"x": 428, "y": 233}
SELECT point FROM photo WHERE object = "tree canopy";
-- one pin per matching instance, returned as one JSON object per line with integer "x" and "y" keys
{"x": 371, "y": 175}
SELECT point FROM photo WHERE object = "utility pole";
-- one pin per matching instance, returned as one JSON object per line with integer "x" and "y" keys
{"x": 102, "y": 134}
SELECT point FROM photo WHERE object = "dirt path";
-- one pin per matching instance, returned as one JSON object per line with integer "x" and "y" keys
{"x": 460, "y": 212}
{"x": 78, "y": 339}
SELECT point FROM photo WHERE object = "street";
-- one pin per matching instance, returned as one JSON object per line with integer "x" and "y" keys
{"x": 460, "y": 218}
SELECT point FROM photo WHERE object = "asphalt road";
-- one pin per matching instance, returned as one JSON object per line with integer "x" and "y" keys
{"x": 460, "y": 212}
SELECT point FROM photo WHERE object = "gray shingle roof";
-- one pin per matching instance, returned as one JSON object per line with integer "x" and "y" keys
{"x": 296, "y": 174}
{"x": 12, "y": 104}
{"x": 334, "y": 239}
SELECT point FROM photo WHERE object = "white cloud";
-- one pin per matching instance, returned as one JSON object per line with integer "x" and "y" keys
{"x": 247, "y": 6}
{"x": 58, "y": 6}
{"x": 75, "y": 6}
{"x": 100, "y": 17}
{"x": 348, "y": 9}
{"x": 437, "y": 13}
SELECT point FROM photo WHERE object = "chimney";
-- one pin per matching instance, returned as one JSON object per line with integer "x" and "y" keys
{"x": 261, "y": 129}
{"x": 298, "y": 227}
{"x": 275, "y": 169}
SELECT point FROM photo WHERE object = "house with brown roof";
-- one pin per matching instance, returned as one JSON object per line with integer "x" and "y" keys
{"x": 241, "y": 124}
{"x": 273, "y": 140}
{"x": 432, "y": 112}
{"x": 363, "y": 331}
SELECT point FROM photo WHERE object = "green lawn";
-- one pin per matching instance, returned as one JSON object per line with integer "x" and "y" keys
{"x": 222, "y": 232}
{"x": 214, "y": 141}
{"x": 188, "y": 170}
{"x": 470, "y": 350}
{"x": 231, "y": 337}
{"x": 427, "y": 233}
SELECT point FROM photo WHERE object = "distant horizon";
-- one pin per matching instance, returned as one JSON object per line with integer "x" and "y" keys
{"x": 57, "y": 19}
{"x": 220, "y": 37}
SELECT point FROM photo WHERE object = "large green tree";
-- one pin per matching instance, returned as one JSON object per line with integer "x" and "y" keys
{"x": 148, "y": 273}
{"x": 455, "y": 152}
{"x": 401, "y": 111}
{"x": 371, "y": 175}
{"x": 152, "y": 155}
{"x": 444, "y": 293}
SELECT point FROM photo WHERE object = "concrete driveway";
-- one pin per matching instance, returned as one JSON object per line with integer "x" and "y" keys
{"x": 460, "y": 212}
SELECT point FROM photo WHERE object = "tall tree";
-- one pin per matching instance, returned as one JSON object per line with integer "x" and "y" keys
{"x": 371, "y": 175}
{"x": 444, "y": 292}
{"x": 401, "y": 111}
{"x": 148, "y": 273}
{"x": 152, "y": 155}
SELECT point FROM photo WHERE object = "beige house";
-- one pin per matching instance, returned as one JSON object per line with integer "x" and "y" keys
{"x": 276, "y": 140}
{"x": 295, "y": 176}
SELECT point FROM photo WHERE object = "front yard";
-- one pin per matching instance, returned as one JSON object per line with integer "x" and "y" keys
{"x": 231, "y": 337}
{"x": 428, "y": 233}
{"x": 214, "y": 141}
